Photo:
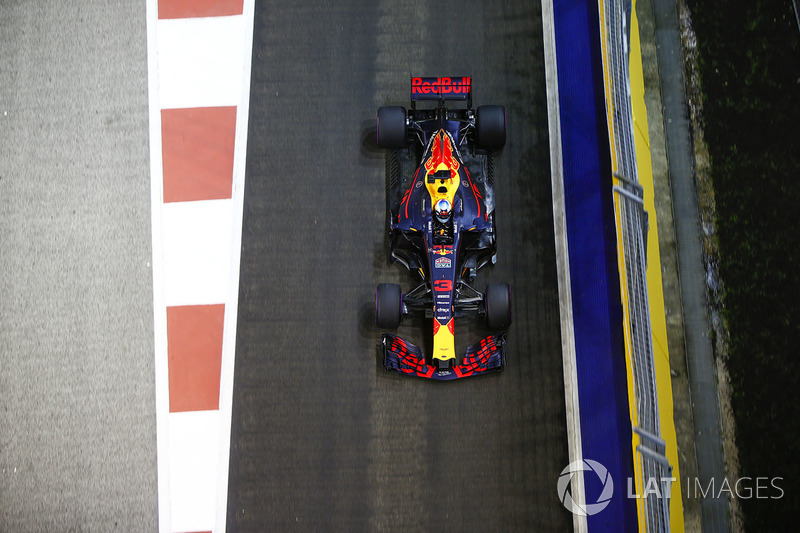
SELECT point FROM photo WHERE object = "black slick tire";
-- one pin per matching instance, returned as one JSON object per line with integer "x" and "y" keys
{"x": 490, "y": 125}
{"x": 388, "y": 305}
{"x": 391, "y": 127}
{"x": 497, "y": 302}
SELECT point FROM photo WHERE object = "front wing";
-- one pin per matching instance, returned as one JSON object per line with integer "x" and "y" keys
{"x": 483, "y": 358}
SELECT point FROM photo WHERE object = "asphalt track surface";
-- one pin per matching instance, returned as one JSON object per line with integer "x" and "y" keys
{"x": 322, "y": 437}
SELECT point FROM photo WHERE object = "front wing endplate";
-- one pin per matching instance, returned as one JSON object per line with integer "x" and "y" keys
{"x": 483, "y": 358}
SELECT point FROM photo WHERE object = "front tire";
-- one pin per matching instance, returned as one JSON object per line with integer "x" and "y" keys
{"x": 391, "y": 127}
{"x": 497, "y": 301}
{"x": 388, "y": 305}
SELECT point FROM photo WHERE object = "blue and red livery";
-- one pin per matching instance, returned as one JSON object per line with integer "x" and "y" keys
{"x": 441, "y": 227}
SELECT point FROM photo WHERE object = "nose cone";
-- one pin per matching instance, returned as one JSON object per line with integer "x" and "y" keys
{"x": 444, "y": 366}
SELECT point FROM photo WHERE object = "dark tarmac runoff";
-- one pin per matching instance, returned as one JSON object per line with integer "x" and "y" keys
{"x": 323, "y": 438}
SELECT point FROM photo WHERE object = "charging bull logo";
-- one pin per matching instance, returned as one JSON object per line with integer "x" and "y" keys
{"x": 442, "y": 249}
{"x": 441, "y": 169}
{"x": 442, "y": 156}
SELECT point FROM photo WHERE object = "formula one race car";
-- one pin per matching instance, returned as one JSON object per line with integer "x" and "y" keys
{"x": 441, "y": 227}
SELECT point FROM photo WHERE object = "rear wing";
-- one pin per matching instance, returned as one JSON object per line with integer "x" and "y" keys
{"x": 454, "y": 88}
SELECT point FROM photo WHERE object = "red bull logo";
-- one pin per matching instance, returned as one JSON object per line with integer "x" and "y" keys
{"x": 442, "y": 249}
{"x": 446, "y": 88}
{"x": 441, "y": 85}
{"x": 442, "y": 154}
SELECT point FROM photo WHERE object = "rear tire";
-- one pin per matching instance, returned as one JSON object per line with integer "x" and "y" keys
{"x": 388, "y": 305}
{"x": 391, "y": 128}
{"x": 497, "y": 301}
{"x": 490, "y": 123}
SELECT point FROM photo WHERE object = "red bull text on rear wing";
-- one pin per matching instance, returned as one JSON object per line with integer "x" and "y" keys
{"x": 458, "y": 88}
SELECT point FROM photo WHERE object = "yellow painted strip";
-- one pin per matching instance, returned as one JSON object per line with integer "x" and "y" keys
{"x": 658, "y": 321}
{"x": 626, "y": 328}
{"x": 626, "y": 322}
{"x": 654, "y": 282}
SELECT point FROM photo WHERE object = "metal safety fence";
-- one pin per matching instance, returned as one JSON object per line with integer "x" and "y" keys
{"x": 632, "y": 225}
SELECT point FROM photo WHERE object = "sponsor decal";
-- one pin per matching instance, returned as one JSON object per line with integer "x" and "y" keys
{"x": 454, "y": 86}
{"x": 443, "y": 310}
{"x": 418, "y": 185}
{"x": 443, "y": 249}
{"x": 443, "y": 262}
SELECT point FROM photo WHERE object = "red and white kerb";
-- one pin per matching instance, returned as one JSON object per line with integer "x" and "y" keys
{"x": 199, "y": 71}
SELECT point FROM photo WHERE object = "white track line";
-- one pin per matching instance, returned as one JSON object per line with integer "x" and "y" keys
{"x": 562, "y": 263}
{"x": 231, "y": 311}
{"x": 159, "y": 308}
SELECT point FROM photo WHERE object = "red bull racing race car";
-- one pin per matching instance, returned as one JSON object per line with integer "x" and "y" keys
{"x": 441, "y": 226}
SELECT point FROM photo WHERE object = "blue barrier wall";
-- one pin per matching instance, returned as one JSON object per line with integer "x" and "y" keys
{"x": 591, "y": 236}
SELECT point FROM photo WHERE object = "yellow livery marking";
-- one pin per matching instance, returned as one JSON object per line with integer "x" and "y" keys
{"x": 442, "y": 160}
{"x": 444, "y": 344}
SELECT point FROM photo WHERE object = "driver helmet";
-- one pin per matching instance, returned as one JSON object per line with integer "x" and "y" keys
{"x": 443, "y": 209}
